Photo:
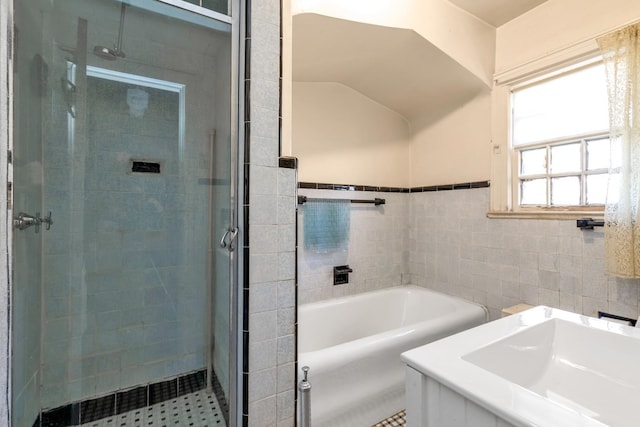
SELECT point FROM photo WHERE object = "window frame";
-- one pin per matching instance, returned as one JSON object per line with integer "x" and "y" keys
{"x": 582, "y": 139}
{"x": 504, "y": 200}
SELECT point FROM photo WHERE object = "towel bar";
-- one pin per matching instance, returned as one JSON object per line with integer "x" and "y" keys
{"x": 377, "y": 201}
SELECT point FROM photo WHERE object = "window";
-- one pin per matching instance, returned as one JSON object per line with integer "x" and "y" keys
{"x": 559, "y": 139}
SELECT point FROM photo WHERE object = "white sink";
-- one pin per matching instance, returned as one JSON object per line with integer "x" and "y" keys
{"x": 543, "y": 367}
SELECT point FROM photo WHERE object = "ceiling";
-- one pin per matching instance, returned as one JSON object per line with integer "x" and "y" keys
{"x": 497, "y": 12}
{"x": 395, "y": 67}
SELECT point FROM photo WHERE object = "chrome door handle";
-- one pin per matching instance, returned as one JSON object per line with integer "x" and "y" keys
{"x": 223, "y": 241}
{"x": 233, "y": 231}
{"x": 24, "y": 221}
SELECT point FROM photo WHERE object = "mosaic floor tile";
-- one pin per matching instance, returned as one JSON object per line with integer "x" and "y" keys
{"x": 396, "y": 420}
{"x": 198, "y": 409}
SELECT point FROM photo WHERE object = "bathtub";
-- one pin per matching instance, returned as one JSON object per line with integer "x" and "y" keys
{"x": 352, "y": 346}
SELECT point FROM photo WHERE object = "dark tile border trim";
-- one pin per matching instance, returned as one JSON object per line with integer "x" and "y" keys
{"x": 243, "y": 345}
{"x": 288, "y": 162}
{"x": 95, "y": 409}
{"x": 351, "y": 187}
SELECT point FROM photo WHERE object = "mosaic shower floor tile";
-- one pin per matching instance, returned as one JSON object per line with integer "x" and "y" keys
{"x": 198, "y": 409}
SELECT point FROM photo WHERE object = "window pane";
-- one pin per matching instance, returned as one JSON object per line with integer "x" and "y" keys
{"x": 533, "y": 192}
{"x": 533, "y": 162}
{"x": 597, "y": 189}
{"x": 565, "y": 158}
{"x": 565, "y": 191}
{"x": 572, "y": 104}
{"x": 598, "y": 154}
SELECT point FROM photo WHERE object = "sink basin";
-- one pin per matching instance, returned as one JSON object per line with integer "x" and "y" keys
{"x": 582, "y": 367}
{"x": 543, "y": 367}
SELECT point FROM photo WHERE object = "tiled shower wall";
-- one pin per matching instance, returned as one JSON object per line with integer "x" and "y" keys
{"x": 452, "y": 247}
{"x": 126, "y": 262}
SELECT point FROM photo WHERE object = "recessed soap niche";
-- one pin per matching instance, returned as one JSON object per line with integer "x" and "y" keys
{"x": 147, "y": 167}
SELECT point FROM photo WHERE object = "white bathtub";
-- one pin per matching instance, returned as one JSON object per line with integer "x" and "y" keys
{"x": 353, "y": 346}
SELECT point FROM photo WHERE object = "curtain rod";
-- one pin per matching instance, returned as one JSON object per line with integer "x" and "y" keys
{"x": 377, "y": 201}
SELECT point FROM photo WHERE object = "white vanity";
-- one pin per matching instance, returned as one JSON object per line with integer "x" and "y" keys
{"x": 541, "y": 367}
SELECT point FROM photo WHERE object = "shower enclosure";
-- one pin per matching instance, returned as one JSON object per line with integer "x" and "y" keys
{"x": 123, "y": 203}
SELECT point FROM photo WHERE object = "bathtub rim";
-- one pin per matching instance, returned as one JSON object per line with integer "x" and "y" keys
{"x": 344, "y": 352}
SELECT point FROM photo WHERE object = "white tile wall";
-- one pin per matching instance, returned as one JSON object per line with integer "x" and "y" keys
{"x": 272, "y": 306}
{"x": 444, "y": 241}
{"x": 499, "y": 262}
{"x": 377, "y": 251}
{"x": 271, "y": 235}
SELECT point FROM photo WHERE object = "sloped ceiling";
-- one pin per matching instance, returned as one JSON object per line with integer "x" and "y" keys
{"x": 497, "y": 12}
{"x": 395, "y": 67}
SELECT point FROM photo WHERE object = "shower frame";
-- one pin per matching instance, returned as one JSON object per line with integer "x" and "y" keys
{"x": 237, "y": 9}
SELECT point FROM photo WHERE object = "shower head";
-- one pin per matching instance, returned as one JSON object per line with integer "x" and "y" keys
{"x": 108, "y": 53}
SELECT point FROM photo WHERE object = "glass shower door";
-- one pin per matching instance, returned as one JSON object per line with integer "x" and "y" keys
{"x": 27, "y": 244}
{"x": 123, "y": 132}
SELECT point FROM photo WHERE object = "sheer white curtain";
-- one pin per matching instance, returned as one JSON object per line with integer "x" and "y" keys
{"x": 621, "y": 53}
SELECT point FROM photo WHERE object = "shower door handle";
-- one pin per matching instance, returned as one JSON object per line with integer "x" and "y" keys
{"x": 24, "y": 221}
{"x": 233, "y": 233}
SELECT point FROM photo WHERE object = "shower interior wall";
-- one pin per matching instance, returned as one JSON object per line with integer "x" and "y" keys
{"x": 126, "y": 263}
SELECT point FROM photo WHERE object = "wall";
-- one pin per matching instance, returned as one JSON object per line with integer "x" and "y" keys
{"x": 557, "y": 25}
{"x": 454, "y": 149}
{"x": 377, "y": 250}
{"x": 368, "y": 144}
{"x": 452, "y": 247}
{"x": 269, "y": 248}
{"x": 341, "y": 136}
{"x": 456, "y": 249}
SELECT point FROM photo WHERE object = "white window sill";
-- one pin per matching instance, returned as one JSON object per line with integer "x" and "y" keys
{"x": 550, "y": 214}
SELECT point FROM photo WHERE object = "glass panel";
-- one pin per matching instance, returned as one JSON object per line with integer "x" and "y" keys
{"x": 122, "y": 131}
{"x": 597, "y": 189}
{"x": 216, "y": 5}
{"x": 26, "y": 304}
{"x": 572, "y": 104}
{"x": 533, "y": 162}
{"x": 533, "y": 192}
{"x": 598, "y": 152}
{"x": 565, "y": 191}
{"x": 566, "y": 158}
{"x": 220, "y": 6}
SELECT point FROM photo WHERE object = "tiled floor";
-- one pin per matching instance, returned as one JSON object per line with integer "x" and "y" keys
{"x": 396, "y": 420}
{"x": 198, "y": 409}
